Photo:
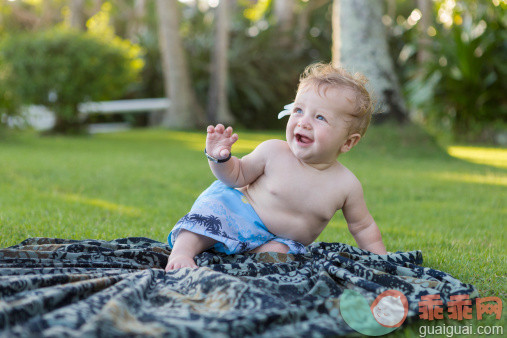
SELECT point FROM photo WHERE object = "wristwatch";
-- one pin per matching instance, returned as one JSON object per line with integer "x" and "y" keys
{"x": 216, "y": 160}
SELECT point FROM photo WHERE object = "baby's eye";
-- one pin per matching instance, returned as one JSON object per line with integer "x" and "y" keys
{"x": 297, "y": 111}
{"x": 320, "y": 117}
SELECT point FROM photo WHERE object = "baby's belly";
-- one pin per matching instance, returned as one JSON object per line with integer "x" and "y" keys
{"x": 293, "y": 224}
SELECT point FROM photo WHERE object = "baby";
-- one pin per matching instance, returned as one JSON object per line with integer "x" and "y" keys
{"x": 281, "y": 196}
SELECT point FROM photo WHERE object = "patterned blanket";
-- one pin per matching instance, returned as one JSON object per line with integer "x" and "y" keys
{"x": 59, "y": 287}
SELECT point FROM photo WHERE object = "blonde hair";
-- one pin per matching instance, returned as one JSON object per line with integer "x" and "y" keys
{"x": 320, "y": 74}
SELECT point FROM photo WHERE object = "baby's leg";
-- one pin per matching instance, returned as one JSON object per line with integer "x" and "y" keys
{"x": 271, "y": 246}
{"x": 186, "y": 246}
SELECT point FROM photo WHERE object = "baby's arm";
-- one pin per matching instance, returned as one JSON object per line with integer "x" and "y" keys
{"x": 234, "y": 172}
{"x": 360, "y": 222}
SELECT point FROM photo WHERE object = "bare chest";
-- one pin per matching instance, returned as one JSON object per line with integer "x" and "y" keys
{"x": 303, "y": 191}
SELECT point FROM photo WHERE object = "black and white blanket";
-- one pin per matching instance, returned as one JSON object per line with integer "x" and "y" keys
{"x": 58, "y": 287}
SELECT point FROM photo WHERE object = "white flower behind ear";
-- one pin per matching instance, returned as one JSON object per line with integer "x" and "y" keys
{"x": 287, "y": 110}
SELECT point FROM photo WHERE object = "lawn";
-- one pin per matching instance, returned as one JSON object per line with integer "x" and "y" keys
{"x": 140, "y": 182}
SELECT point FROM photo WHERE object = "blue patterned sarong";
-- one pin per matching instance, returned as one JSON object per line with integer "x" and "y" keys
{"x": 224, "y": 214}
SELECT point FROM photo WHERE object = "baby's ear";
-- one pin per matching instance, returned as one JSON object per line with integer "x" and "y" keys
{"x": 350, "y": 143}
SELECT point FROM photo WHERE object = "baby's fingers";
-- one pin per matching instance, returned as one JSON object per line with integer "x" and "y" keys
{"x": 228, "y": 132}
{"x": 220, "y": 128}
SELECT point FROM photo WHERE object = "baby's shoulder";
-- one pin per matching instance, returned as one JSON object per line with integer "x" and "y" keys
{"x": 346, "y": 179}
{"x": 270, "y": 151}
{"x": 273, "y": 146}
{"x": 274, "y": 143}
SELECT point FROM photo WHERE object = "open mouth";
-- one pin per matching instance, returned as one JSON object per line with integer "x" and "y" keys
{"x": 303, "y": 139}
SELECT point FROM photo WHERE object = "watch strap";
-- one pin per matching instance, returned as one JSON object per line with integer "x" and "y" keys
{"x": 216, "y": 160}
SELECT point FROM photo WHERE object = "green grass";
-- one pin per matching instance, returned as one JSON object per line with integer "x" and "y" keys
{"x": 139, "y": 183}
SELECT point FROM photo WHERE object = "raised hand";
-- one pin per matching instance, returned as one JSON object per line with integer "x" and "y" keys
{"x": 219, "y": 141}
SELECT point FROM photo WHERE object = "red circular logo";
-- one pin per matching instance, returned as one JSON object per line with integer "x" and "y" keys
{"x": 390, "y": 308}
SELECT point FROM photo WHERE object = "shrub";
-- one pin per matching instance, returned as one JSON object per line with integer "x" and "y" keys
{"x": 61, "y": 68}
{"x": 463, "y": 84}
{"x": 9, "y": 102}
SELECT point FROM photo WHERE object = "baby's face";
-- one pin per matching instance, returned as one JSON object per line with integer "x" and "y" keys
{"x": 318, "y": 125}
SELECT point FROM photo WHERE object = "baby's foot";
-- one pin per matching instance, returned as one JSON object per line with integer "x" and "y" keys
{"x": 180, "y": 261}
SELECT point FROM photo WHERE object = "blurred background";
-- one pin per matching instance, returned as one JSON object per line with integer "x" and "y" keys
{"x": 184, "y": 64}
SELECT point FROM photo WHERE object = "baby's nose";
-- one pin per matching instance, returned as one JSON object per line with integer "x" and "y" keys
{"x": 304, "y": 125}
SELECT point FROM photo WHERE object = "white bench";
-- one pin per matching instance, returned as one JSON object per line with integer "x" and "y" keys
{"x": 121, "y": 106}
{"x": 41, "y": 118}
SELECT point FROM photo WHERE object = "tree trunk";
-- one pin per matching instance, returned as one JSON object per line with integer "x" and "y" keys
{"x": 184, "y": 111}
{"x": 360, "y": 44}
{"x": 424, "y": 41}
{"x": 218, "y": 107}
{"x": 284, "y": 13}
{"x": 77, "y": 17}
{"x": 136, "y": 24}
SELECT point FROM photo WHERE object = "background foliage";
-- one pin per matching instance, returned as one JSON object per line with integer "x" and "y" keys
{"x": 255, "y": 55}
{"x": 61, "y": 68}
{"x": 459, "y": 91}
